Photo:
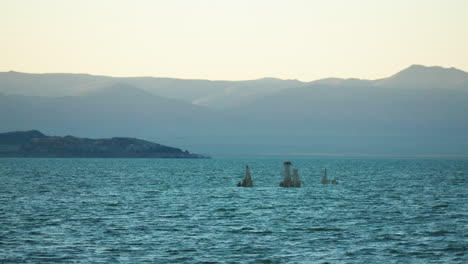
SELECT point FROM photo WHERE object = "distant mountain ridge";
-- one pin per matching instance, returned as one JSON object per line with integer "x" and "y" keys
{"x": 413, "y": 77}
{"x": 333, "y": 115}
{"x": 35, "y": 144}
{"x": 419, "y": 76}
{"x": 217, "y": 94}
{"x": 214, "y": 94}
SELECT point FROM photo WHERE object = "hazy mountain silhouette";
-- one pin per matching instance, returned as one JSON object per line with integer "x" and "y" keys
{"x": 419, "y": 77}
{"x": 49, "y": 84}
{"x": 215, "y": 94}
{"x": 420, "y": 110}
{"x": 116, "y": 110}
{"x": 352, "y": 82}
{"x": 413, "y": 77}
{"x": 362, "y": 119}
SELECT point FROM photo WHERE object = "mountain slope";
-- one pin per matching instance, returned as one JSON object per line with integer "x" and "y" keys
{"x": 19, "y": 137}
{"x": 338, "y": 119}
{"x": 39, "y": 145}
{"x": 421, "y": 77}
{"x": 215, "y": 94}
{"x": 49, "y": 84}
{"x": 116, "y": 110}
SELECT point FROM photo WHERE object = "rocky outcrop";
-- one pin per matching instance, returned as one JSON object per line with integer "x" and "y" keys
{"x": 75, "y": 147}
{"x": 247, "y": 182}
{"x": 290, "y": 181}
{"x": 296, "y": 182}
{"x": 325, "y": 179}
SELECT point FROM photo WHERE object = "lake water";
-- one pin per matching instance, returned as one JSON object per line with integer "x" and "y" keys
{"x": 189, "y": 211}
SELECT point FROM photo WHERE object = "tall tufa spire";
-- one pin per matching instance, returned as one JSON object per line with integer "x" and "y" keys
{"x": 296, "y": 182}
{"x": 247, "y": 182}
{"x": 289, "y": 181}
{"x": 325, "y": 178}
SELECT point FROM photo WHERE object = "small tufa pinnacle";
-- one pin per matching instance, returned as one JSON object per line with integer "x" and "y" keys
{"x": 325, "y": 177}
{"x": 247, "y": 182}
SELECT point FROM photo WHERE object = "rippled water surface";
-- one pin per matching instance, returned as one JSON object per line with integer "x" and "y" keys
{"x": 188, "y": 211}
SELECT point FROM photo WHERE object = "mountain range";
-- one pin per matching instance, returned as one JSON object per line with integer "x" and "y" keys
{"x": 418, "y": 111}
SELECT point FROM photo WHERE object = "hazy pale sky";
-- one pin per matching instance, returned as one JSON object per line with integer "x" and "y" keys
{"x": 233, "y": 40}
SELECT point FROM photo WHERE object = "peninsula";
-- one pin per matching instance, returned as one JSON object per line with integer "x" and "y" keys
{"x": 35, "y": 144}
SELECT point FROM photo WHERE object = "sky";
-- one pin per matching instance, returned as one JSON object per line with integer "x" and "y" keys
{"x": 232, "y": 40}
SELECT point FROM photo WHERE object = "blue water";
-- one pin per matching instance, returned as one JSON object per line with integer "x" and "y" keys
{"x": 188, "y": 211}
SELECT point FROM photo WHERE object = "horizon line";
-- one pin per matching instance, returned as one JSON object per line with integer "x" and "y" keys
{"x": 229, "y": 80}
{"x": 351, "y": 155}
